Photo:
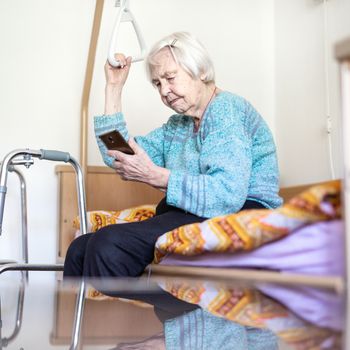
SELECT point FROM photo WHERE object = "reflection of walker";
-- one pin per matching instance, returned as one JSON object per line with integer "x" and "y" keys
{"x": 25, "y": 157}
{"x": 4, "y": 342}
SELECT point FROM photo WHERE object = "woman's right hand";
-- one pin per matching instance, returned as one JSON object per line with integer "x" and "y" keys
{"x": 117, "y": 76}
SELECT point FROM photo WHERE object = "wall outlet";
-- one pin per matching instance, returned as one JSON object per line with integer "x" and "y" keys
{"x": 329, "y": 124}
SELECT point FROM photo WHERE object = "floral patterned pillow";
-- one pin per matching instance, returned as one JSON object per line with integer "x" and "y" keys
{"x": 100, "y": 218}
{"x": 250, "y": 229}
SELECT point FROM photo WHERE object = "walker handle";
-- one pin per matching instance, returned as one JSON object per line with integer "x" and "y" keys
{"x": 125, "y": 15}
{"x": 56, "y": 156}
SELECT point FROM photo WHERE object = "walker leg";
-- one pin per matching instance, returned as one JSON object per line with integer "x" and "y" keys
{"x": 78, "y": 316}
{"x": 4, "y": 342}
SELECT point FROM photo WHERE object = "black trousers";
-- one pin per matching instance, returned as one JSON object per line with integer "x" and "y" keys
{"x": 124, "y": 250}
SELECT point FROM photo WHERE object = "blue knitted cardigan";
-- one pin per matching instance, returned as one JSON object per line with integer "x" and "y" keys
{"x": 230, "y": 159}
{"x": 200, "y": 330}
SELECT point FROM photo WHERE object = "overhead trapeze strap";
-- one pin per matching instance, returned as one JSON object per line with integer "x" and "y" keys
{"x": 125, "y": 15}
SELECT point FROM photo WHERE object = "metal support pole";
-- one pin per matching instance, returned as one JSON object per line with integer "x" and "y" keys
{"x": 84, "y": 111}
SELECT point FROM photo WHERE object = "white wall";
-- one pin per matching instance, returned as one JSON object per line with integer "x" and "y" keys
{"x": 238, "y": 35}
{"x": 43, "y": 50}
{"x": 44, "y": 47}
{"x": 303, "y": 96}
{"x": 253, "y": 43}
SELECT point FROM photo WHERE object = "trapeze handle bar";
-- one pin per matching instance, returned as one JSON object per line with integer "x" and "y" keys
{"x": 125, "y": 15}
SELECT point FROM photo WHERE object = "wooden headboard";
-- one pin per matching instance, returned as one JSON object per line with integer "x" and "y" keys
{"x": 106, "y": 191}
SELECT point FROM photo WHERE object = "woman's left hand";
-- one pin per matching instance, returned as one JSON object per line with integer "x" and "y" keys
{"x": 139, "y": 167}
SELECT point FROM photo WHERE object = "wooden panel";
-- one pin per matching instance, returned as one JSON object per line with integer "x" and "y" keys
{"x": 104, "y": 191}
{"x": 68, "y": 210}
{"x": 289, "y": 192}
{"x": 109, "y": 192}
{"x": 230, "y": 275}
{"x": 104, "y": 322}
{"x": 342, "y": 50}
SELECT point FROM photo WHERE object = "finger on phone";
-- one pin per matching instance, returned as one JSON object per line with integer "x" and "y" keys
{"x": 116, "y": 154}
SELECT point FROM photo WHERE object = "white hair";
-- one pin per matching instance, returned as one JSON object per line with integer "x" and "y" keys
{"x": 188, "y": 52}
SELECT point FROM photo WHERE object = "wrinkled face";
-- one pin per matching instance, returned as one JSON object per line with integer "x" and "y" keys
{"x": 177, "y": 89}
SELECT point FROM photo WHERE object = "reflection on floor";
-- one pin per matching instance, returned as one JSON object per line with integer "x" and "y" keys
{"x": 182, "y": 314}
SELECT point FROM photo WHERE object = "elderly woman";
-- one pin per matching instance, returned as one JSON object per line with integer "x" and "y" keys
{"x": 214, "y": 156}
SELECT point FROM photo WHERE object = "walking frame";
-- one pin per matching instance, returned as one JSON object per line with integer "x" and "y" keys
{"x": 25, "y": 157}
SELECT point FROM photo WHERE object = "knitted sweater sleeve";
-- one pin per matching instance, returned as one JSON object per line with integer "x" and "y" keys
{"x": 151, "y": 143}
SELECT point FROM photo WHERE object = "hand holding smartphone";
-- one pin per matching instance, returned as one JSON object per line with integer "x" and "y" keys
{"x": 114, "y": 141}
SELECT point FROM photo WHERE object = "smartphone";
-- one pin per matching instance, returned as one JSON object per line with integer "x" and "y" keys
{"x": 115, "y": 141}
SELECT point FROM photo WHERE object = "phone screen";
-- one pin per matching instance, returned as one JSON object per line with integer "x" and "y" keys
{"x": 116, "y": 142}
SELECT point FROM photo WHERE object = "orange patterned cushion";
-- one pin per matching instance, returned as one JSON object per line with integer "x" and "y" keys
{"x": 250, "y": 229}
{"x": 100, "y": 218}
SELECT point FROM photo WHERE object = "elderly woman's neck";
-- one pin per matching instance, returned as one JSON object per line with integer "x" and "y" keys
{"x": 209, "y": 93}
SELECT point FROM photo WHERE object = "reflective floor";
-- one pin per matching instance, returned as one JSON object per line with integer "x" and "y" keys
{"x": 169, "y": 313}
